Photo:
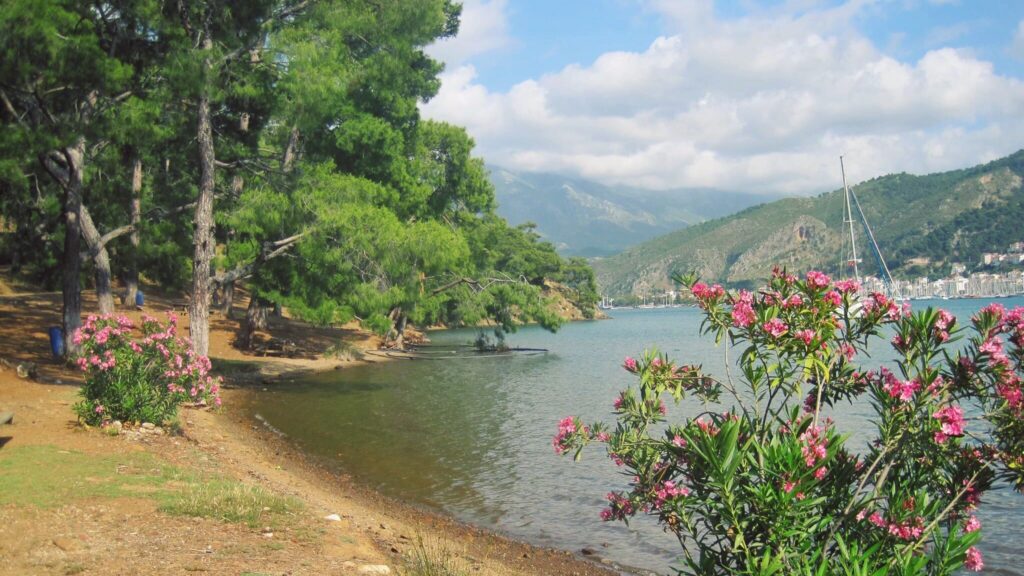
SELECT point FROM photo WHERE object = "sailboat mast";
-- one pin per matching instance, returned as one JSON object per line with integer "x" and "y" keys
{"x": 848, "y": 220}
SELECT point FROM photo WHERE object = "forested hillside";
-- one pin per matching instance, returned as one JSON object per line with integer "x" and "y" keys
{"x": 274, "y": 144}
{"x": 922, "y": 223}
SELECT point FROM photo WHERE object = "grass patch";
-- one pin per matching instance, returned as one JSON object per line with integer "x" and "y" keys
{"x": 231, "y": 502}
{"x": 433, "y": 560}
{"x": 226, "y": 367}
{"x": 47, "y": 476}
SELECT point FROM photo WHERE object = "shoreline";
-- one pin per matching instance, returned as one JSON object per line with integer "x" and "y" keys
{"x": 372, "y": 528}
{"x": 404, "y": 511}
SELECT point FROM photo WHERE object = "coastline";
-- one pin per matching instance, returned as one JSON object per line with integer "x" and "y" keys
{"x": 372, "y": 529}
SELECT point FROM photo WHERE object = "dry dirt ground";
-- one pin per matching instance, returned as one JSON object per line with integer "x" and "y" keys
{"x": 75, "y": 500}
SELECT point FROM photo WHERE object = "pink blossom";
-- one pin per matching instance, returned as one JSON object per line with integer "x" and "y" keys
{"x": 100, "y": 409}
{"x": 629, "y": 364}
{"x": 945, "y": 320}
{"x": 567, "y": 427}
{"x": 972, "y": 524}
{"x": 848, "y": 286}
{"x": 679, "y": 441}
{"x": 820, "y": 473}
{"x": 702, "y": 291}
{"x": 793, "y": 301}
{"x": 667, "y": 491}
{"x": 816, "y": 279}
{"x": 833, "y": 298}
{"x": 951, "y": 419}
{"x": 743, "y": 310}
{"x": 877, "y": 519}
{"x": 847, "y": 350}
{"x": 973, "y": 561}
{"x": 775, "y": 327}
{"x": 807, "y": 335}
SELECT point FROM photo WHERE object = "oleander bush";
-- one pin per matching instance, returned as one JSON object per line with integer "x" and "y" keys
{"x": 139, "y": 374}
{"x": 763, "y": 482}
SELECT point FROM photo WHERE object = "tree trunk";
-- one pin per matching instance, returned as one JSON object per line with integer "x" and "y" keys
{"x": 291, "y": 150}
{"x": 72, "y": 291}
{"x": 400, "y": 331}
{"x": 131, "y": 280}
{"x": 227, "y": 298}
{"x": 101, "y": 261}
{"x": 255, "y": 319}
{"x": 202, "y": 238}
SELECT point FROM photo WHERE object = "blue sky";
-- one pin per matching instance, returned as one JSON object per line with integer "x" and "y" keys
{"x": 759, "y": 96}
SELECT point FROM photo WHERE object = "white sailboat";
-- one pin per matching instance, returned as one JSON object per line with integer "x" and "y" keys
{"x": 850, "y": 259}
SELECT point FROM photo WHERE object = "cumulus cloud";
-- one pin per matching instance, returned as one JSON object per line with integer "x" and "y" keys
{"x": 483, "y": 28}
{"x": 762, "y": 103}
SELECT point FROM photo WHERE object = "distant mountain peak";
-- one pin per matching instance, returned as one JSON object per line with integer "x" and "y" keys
{"x": 590, "y": 219}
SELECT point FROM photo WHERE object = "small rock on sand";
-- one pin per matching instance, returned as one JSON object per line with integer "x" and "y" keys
{"x": 333, "y": 518}
{"x": 373, "y": 569}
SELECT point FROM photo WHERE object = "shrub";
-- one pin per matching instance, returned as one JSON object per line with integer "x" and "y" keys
{"x": 141, "y": 379}
{"x": 768, "y": 486}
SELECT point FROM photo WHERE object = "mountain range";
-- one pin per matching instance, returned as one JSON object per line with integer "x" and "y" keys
{"x": 584, "y": 218}
{"x": 923, "y": 225}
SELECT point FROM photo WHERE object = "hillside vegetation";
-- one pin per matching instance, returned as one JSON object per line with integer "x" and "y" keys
{"x": 922, "y": 223}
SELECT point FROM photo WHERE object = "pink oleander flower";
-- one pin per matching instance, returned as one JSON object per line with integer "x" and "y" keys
{"x": 902, "y": 389}
{"x": 951, "y": 419}
{"x": 816, "y": 279}
{"x": 679, "y": 441}
{"x": 775, "y": 327}
{"x": 833, "y": 298}
{"x": 847, "y": 350}
{"x": 848, "y": 286}
{"x": 603, "y": 437}
{"x": 820, "y": 473}
{"x": 807, "y": 335}
{"x": 100, "y": 409}
{"x": 666, "y": 491}
{"x": 973, "y": 561}
{"x": 877, "y": 519}
{"x": 972, "y": 524}
{"x": 630, "y": 364}
{"x": 788, "y": 486}
{"x": 793, "y": 301}
{"x": 702, "y": 291}
{"x": 566, "y": 428}
{"x": 945, "y": 320}
{"x": 743, "y": 310}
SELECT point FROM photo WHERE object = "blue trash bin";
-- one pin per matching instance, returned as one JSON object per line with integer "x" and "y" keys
{"x": 139, "y": 298}
{"x": 57, "y": 341}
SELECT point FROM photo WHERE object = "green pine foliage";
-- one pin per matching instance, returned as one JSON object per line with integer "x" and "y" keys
{"x": 332, "y": 196}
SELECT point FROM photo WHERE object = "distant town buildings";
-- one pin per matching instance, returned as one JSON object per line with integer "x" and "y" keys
{"x": 976, "y": 285}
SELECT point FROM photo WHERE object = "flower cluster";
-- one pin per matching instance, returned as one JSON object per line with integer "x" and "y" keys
{"x": 139, "y": 373}
{"x": 772, "y": 472}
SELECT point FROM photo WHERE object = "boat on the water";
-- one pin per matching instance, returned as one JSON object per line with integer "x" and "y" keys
{"x": 851, "y": 262}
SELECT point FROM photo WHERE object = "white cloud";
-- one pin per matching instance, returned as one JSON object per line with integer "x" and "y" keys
{"x": 764, "y": 103}
{"x": 483, "y": 28}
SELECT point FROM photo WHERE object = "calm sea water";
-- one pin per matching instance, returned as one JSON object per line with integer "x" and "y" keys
{"x": 472, "y": 436}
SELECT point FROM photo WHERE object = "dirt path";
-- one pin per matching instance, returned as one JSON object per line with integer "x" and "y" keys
{"x": 82, "y": 501}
